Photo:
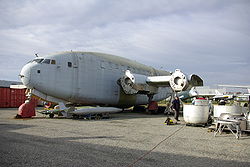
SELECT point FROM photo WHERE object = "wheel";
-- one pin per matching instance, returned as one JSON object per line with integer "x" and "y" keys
{"x": 51, "y": 115}
{"x": 98, "y": 116}
{"x": 161, "y": 109}
{"x": 139, "y": 109}
{"x": 75, "y": 116}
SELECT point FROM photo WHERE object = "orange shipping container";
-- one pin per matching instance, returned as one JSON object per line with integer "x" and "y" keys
{"x": 11, "y": 97}
{"x": 4, "y": 97}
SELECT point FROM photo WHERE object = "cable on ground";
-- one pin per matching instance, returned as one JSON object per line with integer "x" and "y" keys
{"x": 148, "y": 152}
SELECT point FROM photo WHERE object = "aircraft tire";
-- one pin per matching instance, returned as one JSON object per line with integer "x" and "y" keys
{"x": 51, "y": 115}
{"x": 75, "y": 116}
{"x": 139, "y": 109}
{"x": 161, "y": 109}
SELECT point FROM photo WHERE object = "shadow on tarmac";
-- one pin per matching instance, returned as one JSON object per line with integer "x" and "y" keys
{"x": 27, "y": 150}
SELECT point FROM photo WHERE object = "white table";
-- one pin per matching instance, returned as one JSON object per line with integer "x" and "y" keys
{"x": 231, "y": 125}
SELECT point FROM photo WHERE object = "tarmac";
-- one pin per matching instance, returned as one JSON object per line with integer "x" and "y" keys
{"x": 126, "y": 139}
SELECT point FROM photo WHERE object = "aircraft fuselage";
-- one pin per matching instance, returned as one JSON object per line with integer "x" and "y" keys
{"x": 88, "y": 78}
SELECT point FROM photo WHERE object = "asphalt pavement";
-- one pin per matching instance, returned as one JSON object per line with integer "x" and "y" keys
{"x": 126, "y": 139}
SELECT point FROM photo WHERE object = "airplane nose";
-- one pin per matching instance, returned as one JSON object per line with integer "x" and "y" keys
{"x": 25, "y": 75}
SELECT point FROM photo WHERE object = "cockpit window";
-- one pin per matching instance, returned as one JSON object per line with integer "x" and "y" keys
{"x": 38, "y": 60}
{"x": 53, "y": 62}
{"x": 46, "y": 61}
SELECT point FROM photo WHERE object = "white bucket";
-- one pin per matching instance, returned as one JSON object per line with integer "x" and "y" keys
{"x": 233, "y": 110}
{"x": 200, "y": 102}
{"x": 194, "y": 114}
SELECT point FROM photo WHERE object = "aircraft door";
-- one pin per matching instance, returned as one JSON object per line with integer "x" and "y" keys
{"x": 36, "y": 76}
{"x": 75, "y": 76}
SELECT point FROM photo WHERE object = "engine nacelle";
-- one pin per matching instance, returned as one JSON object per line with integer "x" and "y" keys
{"x": 178, "y": 81}
{"x": 136, "y": 84}
{"x": 141, "y": 84}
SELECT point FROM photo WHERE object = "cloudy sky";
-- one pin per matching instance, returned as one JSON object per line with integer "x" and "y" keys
{"x": 210, "y": 38}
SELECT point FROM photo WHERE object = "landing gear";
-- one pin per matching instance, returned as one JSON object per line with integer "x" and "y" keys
{"x": 51, "y": 115}
{"x": 139, "y": 109}
{"x": 75, "y": 116}
{"x": 168, "y": 110}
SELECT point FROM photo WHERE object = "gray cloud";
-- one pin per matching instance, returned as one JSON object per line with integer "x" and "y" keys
{"x": 210, "y": 38}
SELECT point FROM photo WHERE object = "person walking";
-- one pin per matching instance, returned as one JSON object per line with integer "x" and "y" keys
{"x": 176, "y": 108}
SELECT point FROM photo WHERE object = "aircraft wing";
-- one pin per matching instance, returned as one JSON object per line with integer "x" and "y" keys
{"x": 184, "y": 95}
{"x": 142, "y": 84}
{"x": 237, "y": 86}
{"x": 223, "y": 97}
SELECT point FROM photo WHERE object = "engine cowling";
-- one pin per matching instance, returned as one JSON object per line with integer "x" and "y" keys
{"x": 142, "y": 84}
{"x": 178, "y": 81}
{"x": 136, "y": 84}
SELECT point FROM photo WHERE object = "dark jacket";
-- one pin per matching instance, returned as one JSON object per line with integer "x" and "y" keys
{"x": 176, "y": 104}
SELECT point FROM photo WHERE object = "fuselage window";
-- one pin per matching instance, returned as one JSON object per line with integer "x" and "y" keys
{"x": 69, "y": 64}
{"x": 46, "y": 61}
{"x": 53, "y": 62}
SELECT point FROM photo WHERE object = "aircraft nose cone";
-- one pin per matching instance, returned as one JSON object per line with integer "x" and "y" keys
{"x": 25, "y": 75}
